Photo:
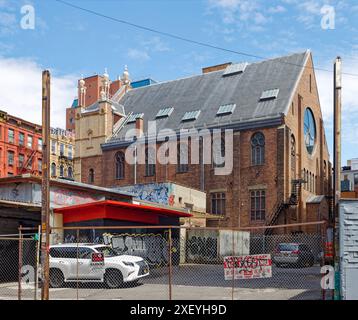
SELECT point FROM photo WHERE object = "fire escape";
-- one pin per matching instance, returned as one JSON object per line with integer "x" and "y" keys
{"x": 282, "y": 205}
{"x": 25, "y": 165}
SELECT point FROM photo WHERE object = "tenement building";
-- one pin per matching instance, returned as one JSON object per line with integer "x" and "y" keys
{"x": 278, "y": 161}
{"x": 62, "y": 153}
{"x": 20, "y": 146}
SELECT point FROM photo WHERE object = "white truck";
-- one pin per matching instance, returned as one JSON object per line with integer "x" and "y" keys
{"x": 94, "y": 263}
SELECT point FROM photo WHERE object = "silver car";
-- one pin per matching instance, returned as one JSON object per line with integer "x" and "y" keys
{"x": 293, "y": 254}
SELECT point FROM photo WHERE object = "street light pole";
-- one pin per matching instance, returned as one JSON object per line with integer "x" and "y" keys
{"x": 45, "y": 210}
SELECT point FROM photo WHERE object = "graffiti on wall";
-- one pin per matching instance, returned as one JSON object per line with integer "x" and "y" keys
{"x": 66, "y": 197}
{"x": 202, "y": 248}
{"x": 151, "y": 247}
{"x": 153, "y": 192}
{"x": 213, "y": 245}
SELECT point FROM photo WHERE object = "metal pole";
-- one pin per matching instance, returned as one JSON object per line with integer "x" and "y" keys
{"x": 337, "y": 166}
{"x": 170, "y": 264}
{"x": 37, "y": 260}
{"x": 20, "y": 264}
{"x": 45, "y": 212}
{"x": 78, "y": 239}
{"x": 233, "y": 266}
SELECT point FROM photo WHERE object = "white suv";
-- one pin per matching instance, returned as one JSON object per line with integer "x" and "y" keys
{"x": 93, "y": 263}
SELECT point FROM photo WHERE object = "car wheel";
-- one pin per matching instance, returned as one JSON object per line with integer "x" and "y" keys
{"x": 56, "y": 278}
{"x": 113, "y": 279}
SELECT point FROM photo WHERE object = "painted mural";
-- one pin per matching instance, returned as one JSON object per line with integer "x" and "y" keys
{"x": 161, "y": 193}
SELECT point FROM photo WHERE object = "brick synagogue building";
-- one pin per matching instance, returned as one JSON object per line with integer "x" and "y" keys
{"x": 281, "y": 170}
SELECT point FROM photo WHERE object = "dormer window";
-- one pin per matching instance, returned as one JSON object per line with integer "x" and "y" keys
{"x": 226, "y": 109}
{"x": 269, "y": 94}
{"x": 163, "y": 113}
{"x": 191, "y": 115}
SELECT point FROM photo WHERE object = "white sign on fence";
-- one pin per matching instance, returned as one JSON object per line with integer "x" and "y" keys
{"x": 248, "y": 267}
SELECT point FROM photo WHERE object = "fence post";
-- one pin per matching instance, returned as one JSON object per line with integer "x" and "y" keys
{"x": 77, "y": 240}
{"x": 170, "y": 263}
{"x": 37, "y": 260}
{"x": 20, "y": 263}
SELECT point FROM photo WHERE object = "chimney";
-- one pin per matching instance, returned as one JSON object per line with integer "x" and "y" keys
{"x": 216, "y": 67}
{"x": 139, "y": 125}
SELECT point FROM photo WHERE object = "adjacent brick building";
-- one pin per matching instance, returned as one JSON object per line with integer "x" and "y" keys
{"x": 20, "y": 146}
{"x": 281, "y": 171}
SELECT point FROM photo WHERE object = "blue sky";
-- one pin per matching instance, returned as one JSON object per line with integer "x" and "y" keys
{"x": 71, "y": 43}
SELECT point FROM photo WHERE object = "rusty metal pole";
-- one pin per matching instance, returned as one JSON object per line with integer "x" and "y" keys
{"x": 37, "y": 261}
{"x": 45, "y": 211}
{"x": 170, "y": 263}
{"x": 233, "y": 266}
{"x": 337, "y": 167}
{"x": 19, "y": 294}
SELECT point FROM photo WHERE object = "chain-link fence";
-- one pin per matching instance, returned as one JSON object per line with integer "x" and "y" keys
{"x": 160, "y": 263}
{"x": 18, "y": 266}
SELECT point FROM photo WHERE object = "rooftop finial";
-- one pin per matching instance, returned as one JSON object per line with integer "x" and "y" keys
{"x": 125, "y": 76}
{"x": 106, "y": 75}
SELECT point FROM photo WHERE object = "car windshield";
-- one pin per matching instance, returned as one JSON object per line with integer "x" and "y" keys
{"x": 287, "y": 247}
{"x": 107, "y": 251}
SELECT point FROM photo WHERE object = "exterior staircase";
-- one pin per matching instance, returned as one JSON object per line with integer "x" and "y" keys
{"x": 282, "y": 205}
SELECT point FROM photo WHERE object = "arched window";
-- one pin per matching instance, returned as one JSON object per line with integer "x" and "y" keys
{"x": 91, "y": 176}
{"x": 149, "y": 162}
{"x": 293, "y": 156}
{"x": 53, "y": 169}
{"x": 120, "y": 158}
{"x": 61, "y": 171}
{"x": 70, "y": 172}
{"x": 257, "y": 149}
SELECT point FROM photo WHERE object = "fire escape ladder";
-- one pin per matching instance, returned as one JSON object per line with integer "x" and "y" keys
{"x": 26, "y": 163}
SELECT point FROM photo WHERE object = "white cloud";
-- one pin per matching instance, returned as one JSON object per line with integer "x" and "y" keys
{"x": 139, "y": 55}
{"x": 277, "y": 9}
{"x": 20, "y": 91}
{"x": 234, "y": 11}
{"x": 155, "y": 44}
{"x": 8, "y": 23}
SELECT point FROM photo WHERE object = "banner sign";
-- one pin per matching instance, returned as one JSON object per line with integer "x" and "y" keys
{"x": 248, "y": 267}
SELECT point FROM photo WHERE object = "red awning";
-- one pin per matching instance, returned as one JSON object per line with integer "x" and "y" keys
{"x": 116, "y": 210}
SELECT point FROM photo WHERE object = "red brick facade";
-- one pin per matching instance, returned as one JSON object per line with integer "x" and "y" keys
{"x": 20, "y": 146}
{"x": 274, "y": 176}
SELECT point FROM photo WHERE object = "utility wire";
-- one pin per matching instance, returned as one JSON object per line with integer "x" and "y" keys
{"x": 177, "y": 37}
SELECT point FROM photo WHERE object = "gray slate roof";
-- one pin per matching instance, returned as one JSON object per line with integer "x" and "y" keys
{"x": 206, "y": 92}
{"x": 117, "y": 107}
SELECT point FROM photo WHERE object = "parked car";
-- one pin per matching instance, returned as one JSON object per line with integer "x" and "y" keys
{"x": 96, "y": 263}
{"x": 293, "y": 254}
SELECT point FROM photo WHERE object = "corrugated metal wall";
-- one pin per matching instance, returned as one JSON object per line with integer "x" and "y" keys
{"x": 349, "y": 248}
